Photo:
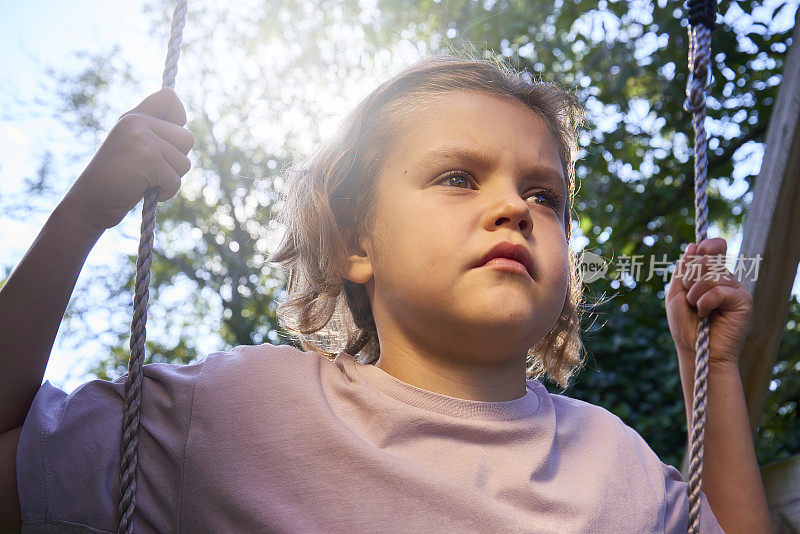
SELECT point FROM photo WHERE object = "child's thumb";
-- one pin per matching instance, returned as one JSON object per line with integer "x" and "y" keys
{"x": 674, "y": 287}
{"x": 164, "y": 105}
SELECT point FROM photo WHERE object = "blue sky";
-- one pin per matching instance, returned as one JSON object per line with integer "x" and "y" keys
{"x": 34, "y": 35}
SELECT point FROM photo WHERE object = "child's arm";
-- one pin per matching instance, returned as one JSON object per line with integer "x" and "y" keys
{"x": 32, "y": 303}
{"x": 731, "y": 477}
{"x": 147, "y": 147}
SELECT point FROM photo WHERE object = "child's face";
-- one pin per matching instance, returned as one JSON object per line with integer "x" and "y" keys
{"x": 430, "y": 230}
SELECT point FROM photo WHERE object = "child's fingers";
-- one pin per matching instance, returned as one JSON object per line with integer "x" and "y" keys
{"x": 721, "y": 297}
{"x": 174, "y": 157}
{"x": 164, "y": 105}
{"x": 708, "y": 282}
{"x": 693, "y": 269}
{"x": 700, "y": 259}
{"x": 681, "y": 268}
{"x": 167, "y": 180}
{"x": 675, "y": 286}
{"x": 178, "y": 136}
{"x": 711, "y": 247}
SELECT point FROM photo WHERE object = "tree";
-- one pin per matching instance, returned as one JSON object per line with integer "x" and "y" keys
{"x": 626, "y": 63}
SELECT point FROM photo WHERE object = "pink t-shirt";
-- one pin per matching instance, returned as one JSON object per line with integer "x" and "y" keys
{"x": 272, "y": 439}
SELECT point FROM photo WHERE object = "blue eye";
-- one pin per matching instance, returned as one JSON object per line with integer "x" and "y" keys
{"x": 451, "y": 175}
{"x": 551, "y": 200}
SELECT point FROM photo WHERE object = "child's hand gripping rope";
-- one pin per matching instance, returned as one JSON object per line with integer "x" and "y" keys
{"x": 146, "y": 148}
{"x": 702, "y": 285}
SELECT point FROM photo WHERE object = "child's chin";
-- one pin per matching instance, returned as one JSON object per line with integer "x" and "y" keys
{"x": 507, "y": 322}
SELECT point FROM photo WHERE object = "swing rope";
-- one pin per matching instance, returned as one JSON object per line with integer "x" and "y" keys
{"x": 133, "y": 384}
{"x": 701, "y": 23}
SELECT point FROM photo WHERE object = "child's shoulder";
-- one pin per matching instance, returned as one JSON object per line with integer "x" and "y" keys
{"x": 580, "y": 408}
{"x": 242, "y": 364}
{"x": 594, "y": 422}
{"x": 253, "y": 357}
{"x": 253, "y": 366}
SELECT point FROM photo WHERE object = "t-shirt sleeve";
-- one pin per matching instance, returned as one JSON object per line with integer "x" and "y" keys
{"x": 676, "y": 514}
{"x": 69, "y": 453}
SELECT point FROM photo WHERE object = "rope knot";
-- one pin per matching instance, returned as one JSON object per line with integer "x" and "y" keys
{"x": 702, "y": 12}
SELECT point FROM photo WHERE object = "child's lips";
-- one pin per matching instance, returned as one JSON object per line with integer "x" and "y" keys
{"x": 515, "y": 255}
{"x": 507, "y": 264}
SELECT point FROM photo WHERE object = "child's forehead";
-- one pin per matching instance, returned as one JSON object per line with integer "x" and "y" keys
{"x": 473, "y": 116}
{"x": 466, "y": 102}
{"x": 464, "y": 127}
{"x": 479, "y": 159}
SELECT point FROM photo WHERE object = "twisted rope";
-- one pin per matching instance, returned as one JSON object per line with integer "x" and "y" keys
{"x": 133, "y": 384}
{"x": 701, "y": 22}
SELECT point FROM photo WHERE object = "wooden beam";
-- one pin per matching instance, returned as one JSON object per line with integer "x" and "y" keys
{"x": 782, "y": 486}
{"x": 772, "y": 231}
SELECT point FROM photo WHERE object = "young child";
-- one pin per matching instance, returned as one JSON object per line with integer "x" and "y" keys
{"x": 431, "y": 283}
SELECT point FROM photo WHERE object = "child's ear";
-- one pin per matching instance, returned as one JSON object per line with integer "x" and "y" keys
{"x": 359, "y": 265}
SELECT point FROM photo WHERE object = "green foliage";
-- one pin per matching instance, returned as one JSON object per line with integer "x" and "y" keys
{"x": 626, "y": 62}
{"x": 84, "y": 94}
{"x": 117, "y": 363}
{"x": 627, "y": 65}
{"x": 779, "y": 431}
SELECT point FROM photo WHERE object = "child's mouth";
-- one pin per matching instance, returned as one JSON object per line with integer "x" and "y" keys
{"x": 507, "y": 264}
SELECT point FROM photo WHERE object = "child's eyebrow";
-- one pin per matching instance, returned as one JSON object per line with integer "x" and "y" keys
{"x": 484, "y": 161}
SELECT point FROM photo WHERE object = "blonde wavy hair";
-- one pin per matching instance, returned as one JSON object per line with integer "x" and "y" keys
{"x": 329, "y": 197}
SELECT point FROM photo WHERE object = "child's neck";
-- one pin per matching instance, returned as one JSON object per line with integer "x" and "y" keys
{"x": 500, "y": 380}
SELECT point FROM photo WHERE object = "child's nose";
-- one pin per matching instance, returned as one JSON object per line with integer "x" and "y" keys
{"x": 513, "y": 211}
